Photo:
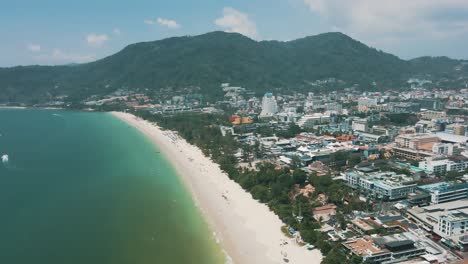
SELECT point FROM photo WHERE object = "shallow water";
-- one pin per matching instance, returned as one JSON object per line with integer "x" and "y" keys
{"x": 88, "y": 188}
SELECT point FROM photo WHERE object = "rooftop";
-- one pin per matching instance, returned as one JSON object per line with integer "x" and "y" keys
{"x": 452, "y": 138}
{"x": 364, "y": 247}
{"x": 444, "y": 187}
{"x": 455, "y": 216}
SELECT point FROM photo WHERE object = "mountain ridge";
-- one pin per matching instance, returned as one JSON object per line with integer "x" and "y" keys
{"x": 212, "y": 58}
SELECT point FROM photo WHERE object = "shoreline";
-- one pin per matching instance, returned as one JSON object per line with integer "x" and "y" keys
{"x": 246, "y": 229}
{"x": 31, "y": 107}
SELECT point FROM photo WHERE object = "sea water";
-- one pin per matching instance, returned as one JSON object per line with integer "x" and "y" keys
{"x": 88, "y": 188}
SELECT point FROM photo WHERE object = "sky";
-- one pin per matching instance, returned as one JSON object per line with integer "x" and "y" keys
{"x": 53, "y": 32}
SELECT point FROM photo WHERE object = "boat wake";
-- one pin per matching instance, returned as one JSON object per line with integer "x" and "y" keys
{"x": 5, "y": 158}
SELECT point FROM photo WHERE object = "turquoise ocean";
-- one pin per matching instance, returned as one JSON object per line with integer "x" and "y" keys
{"x": 87, "y": 188}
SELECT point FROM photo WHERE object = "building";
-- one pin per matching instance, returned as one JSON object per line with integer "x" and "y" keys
{"x": 289, "y": 115}
{"x": 384, "y": 185}
{"x": 448, "y": 220}
{"x": 459, "y": 130}
{"x": 411, "y": 153}
{"x": 417, "y": 141}
{"x": 372, "y": 138}
{"x": 366, "y": 249}
{"x": 440, "y": 166}
{"x": 389, "y": 249}
{"x": 451, "y": 138}
{"x": 363, "y": 226}
{"x": 453, "y": 224}
{"x": 360, "y": 125}
{"x": 365, "y": 103}
{"x": 430, "y": 115}
{"x": 446, "y": 191}
{"x": 431, "y": 104}
{"x": 405, "y": 107}
{"x": 323, "y": 213}
{"x": 309, "y": 121}
{"x": 415, "y": 146}
{"x": 334, "y": 107}
{"x": 445, "y": 149}
{"x": 269, "y": 105}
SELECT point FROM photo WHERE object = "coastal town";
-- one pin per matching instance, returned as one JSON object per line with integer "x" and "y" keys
{"x": 403, "y": 155}
{"x": 234, "y": 132}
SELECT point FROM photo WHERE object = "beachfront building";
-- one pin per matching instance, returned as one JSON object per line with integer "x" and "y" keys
{"x": 269, "y": 105}
{"x": 389, "y": 249}
{"x": 384, "y": 185}
{"x": 323, "y": 213}
{"x": 446, "y": 191}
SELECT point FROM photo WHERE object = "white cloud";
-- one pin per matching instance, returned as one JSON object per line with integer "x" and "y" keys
{"x": 34, "y": 47}
{"x": 236, "y": 21}
{"x": 168, "y": 23}
{"x": 96, "y": 40}
{"x": 172, "y": 24}
{"x": 117, "y": 31}
{"x": 394, "y": 19}
{"x": 57, "y": 56}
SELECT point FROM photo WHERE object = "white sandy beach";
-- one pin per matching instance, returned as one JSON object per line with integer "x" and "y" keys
{"x": 247, "y": 230}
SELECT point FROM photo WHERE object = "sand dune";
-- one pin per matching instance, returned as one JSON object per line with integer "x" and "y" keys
{"x": 248, "y": 231}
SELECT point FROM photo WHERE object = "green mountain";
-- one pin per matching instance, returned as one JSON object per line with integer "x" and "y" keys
{"x": 217, "y": 57}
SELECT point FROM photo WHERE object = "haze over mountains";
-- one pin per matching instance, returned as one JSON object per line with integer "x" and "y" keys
{"x": 217, "y": 57}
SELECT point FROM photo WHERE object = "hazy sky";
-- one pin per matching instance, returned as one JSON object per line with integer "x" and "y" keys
{"x": 65, "y": 31}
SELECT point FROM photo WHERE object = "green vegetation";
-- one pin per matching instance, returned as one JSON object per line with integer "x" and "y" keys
{"x": 399, "y": 119}
{"x": 269, "y": 184}
{"x": 217, "y": 57}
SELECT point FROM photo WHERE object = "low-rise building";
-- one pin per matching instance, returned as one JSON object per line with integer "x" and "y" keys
{"x": 427, "y": 217}
{"x": 388, "y": 249}
{"x": 415, "y": 146}
{"x": 442, "y": 165}
{"x": 309, "y": 121}
{"x": 453, "y": 224}
{"x": 429, "y": 115}
{"x": 384, "y": 185}
{"x": 446, "y": 191}
{"x": 360, "y": 125}
{"x": 323, "y": 213}
{"x": 405, "y": 107}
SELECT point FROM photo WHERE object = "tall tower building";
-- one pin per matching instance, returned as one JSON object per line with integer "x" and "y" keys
{"x": 269, "y": 105}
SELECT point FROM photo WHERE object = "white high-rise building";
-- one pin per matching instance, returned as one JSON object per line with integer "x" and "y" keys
{"x": 269, "y": 105}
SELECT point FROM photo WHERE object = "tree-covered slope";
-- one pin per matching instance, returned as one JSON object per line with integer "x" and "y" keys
{"x": 210, "y": 59}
